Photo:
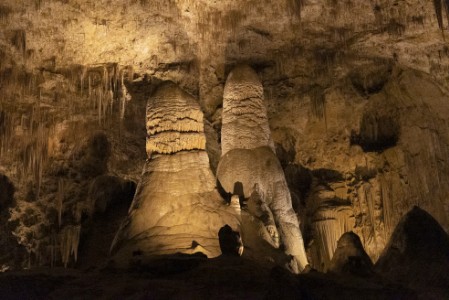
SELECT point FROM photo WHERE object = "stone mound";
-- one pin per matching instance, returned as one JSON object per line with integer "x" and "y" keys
{"x": 418, "y": 252}
{"x": 350, "y": 257}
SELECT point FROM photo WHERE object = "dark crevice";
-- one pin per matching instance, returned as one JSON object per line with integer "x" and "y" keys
{"x": 377, "y": 133}
{"x": 371, "y": 79}
{"x": 365, "y": 173}
{"x": 327, "y": 175}
{"x": 6, "y": 192}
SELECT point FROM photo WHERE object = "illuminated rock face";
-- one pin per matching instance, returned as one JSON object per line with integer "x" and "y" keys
{"x": 244, "y": 118}
{"x": 177, "y": 207}
{"x": 331, "y": 218}
{"x": 249, "y": 166}
{"x": 174, "y": 122}
{"x": 360, "y": 89}
{"x": 368, "y": 191}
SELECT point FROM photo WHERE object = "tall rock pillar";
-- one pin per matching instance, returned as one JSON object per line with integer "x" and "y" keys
{"x": 177, "y": 208}
{"x": 249, "y": 167}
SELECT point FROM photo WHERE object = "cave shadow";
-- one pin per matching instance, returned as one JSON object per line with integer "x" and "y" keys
{"x": 237, "y": 190}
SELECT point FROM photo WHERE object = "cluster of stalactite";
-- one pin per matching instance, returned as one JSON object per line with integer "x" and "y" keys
{"x": 69, "y": 242}
{"x": 62, "y": 247}
{"x": 34, "y": 106}
{"x": 329, "y": 225}
{"x": 29, "y": 125}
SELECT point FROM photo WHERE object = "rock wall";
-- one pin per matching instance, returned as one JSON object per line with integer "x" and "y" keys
{"x": 355, "y": 93}
{"x": 371, "y": 159}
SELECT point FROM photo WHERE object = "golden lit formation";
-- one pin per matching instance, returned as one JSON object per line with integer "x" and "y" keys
{"x": 232, "y": 149}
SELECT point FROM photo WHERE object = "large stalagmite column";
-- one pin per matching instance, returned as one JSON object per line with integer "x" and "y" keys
{"x": 250, "y": 167}
{"x": 176, "y": 207}
{"x": 244, "y": 119}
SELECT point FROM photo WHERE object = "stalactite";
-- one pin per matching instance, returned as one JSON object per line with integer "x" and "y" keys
{"x": 130, "y": 72}
{"x": 329, "y": 225}
{"x": 59, "y": 200}
{"x": 37, "y": 4}
{"x": 317, "y": 99}
{"x": 387, "y": 205}
{"x": 233, "y": 19}
{"x": 80, "y": 208}
{"x": 53, "y": 245}
{"x": 90, "y": 87}
{"x": 69, "y": 242}
{"x": 279, "y": 64}
{"x": 5, "y": 11}
{"x": 112, "y": 77}
{"x": 99, "y": 92}
{"x": 123, "y": 98}
{"x": 6, "y": 132}
{"x": 294, "y": 7}
{"x": 19, "y": 41}
{"x": 439, "y": 6}
{"x": 105, "y": 106}
{"x": 446, "y": 9}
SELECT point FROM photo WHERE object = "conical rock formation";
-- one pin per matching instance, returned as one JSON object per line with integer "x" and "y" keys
{"x": 417, "y": 253}
{"x": 249, "y": 164}
{"x": 244, "y": 119}
{"x": 350, "y": 257}
{"x": 176, "y": 207}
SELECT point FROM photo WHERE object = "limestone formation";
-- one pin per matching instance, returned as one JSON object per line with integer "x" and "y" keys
{"x": 177, "y": 207}
{"x": 244, "y": 117}
{"x": 417, "y": 253}
{"x": 357, "y": 88}
{"x": 249, "y": 166}
{"x": 330, "y": 218}
{"x": 174, "y": 122}
{"x": 350, "y": 257}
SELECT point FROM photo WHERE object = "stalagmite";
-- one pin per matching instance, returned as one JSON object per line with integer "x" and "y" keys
{"x": 177, "y": 207}
{"x": 249, "y": 164}
{"x": 350, "y": 257}
{"x": 417, "y": 253}
{"x": 245, "y": 122}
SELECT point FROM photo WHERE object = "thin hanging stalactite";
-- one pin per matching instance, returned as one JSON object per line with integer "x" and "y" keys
{"x": 60, "y": 200}
{"x": 438, "y": 12}
{"x": 295, "y": 7}
{"x": 69, "y": 242}
{"x": 439, "y": 5}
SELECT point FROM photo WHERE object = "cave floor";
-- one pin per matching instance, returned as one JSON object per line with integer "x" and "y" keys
{"x": 198, "y": 278}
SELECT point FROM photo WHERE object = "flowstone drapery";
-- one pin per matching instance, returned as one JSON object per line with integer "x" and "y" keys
{"x": 249, "y": 167}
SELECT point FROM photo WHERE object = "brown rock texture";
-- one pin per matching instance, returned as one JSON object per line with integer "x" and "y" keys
{"x": 244, "y": 116}
{"x": 417, "y": 253}
{"x": 174, "y": 122}
{"x": 177, "y": 208}
{"x": 249, "y": 164}
{"x": 350, "y": 257}
{"x": 356, "y": 94}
